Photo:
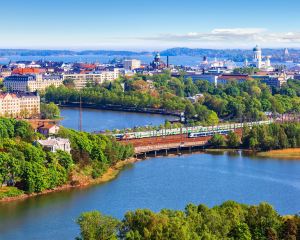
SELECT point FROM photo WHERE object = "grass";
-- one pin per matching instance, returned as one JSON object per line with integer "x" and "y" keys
{"x": 289, "y": 153}
{"x": 6, "y": 192}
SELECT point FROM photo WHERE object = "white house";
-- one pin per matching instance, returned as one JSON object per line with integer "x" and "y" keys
{"x": 54, "y": 144}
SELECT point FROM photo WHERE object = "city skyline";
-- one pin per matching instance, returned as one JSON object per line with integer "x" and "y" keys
{"x": 132, "y": 25}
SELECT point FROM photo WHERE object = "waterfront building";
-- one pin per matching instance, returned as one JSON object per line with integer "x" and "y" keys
{"x": 81, "y": 80}
{"x": 32, "y": 82}
{"x": 19, "y": 104}
{"x": 132, "y": 64}
{"x": 53, "y": 144}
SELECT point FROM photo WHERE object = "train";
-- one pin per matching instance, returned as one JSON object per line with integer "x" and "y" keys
{"x": 196, "y": 131}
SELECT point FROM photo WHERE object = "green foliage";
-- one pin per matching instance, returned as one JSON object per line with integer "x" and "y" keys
{"x": 217, "y": 140}
{"x": 95, "y": 226}
{"x": 33, "y": 169}
{"x": 237, "y": 101}
{"x": 273, "y": 136}
{"x": 10, "y": 192}
{"x": 229, "y": 221}
{"x": 49, "y": 111}
{"x": 233, "y": 140}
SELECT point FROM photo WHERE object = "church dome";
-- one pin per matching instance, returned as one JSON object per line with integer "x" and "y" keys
{"x": 257, "y": 48}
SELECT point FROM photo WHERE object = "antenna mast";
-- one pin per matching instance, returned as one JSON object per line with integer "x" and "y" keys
{"x": 80, "y": 114}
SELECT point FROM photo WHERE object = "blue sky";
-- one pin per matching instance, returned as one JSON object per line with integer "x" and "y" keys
{"x": 148, "y": 25}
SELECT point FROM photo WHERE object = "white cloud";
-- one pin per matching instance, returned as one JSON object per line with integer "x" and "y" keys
{"x": 234, "y": 37}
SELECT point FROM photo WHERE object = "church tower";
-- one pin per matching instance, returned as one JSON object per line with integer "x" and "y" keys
{"x": 257, "y": 58}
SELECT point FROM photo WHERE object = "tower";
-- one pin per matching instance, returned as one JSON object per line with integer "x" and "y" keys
{"x": 257, "y": 58}
{"x": 286, "y": 52}
{"x": 246, "y": 63}
{"x": 268, "y": 61}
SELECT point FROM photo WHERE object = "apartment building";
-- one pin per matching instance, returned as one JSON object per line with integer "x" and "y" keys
{"x": 19, "y": 104}
{"x": 81, "y": 80}
{"x": 31, "y": 83}
{"x": 131, "y": 64}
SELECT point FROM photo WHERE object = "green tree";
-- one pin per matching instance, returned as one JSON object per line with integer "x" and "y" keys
{"x": 95, "y": 226}
{"x": 217, "y": 140}
{"x": 49, "y": 111}
{"x": 233, "y": 140}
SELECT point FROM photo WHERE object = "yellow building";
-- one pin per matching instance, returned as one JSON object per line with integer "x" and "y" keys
{"x": 31, "y": 83}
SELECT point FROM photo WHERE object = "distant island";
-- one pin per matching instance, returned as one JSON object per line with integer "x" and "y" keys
{"x": 230, "y": 54}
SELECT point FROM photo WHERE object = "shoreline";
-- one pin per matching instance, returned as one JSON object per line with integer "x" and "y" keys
{"x": 111, "y": 173}
{"x": 121, "y": 108}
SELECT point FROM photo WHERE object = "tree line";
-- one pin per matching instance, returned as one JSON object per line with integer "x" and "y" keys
{"x": 261, "y": 137}
{"x": 229, "y": 221}
{"x": 233, "y": 101}
{"x": 30, "y": 168}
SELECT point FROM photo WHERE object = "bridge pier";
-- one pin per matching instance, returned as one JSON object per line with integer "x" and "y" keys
{"x": 166, "y": 152}
{"x": 155, "y": 153}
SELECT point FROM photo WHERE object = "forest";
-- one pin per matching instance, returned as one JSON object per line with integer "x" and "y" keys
{"x": 228, "y": 221}
{"x": 26, "y": 167}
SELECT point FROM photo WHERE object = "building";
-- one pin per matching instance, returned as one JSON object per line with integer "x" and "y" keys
{"x": 24, "y": 71}
{"x": 81, "y": 80}
{"x": 275, "y": 81}
{"x": 23, "y": 105}
{"x": 227, "y": 78}
{"x": 258, "y": 60}
{"x": 131, "y": 64}
{"x": 48, "y": 129}
{"x": 157, "y": 63}
{"x": 53, "y": 144}
{"x": 31, "y": 83}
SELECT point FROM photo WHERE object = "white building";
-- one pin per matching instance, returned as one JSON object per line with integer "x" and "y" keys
{"x": 258, "y": 60}
{"x": 131, "y": 64}
{"x": 80, "y": 80}
{"x": 53, "y": 144}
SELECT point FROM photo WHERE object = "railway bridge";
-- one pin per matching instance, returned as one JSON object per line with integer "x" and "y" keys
{"x": 179, "y": 138}
{"x": 178, "y": 142}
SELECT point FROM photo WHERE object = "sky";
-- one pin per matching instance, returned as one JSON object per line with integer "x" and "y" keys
{"x": 149, "y": 24}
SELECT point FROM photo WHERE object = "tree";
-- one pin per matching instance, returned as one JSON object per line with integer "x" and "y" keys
{"x": 64, "y": 159}
{"x": 95, "y": 226}
{"x": 233, "y": 140}
{"x": 241, "y": 232}
{"x": 49, "y": 111}
{"x": 217, "y": 140}
{"x": 189, "y": 111}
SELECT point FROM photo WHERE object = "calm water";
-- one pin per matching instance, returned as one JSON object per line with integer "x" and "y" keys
{"x": 177, "y": 60}
{"x": 96, "y": 120}
{"x": 165, "y": 182}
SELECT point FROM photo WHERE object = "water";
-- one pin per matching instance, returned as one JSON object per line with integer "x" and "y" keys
{"x": 177, "y": 60}
{"x": 97, "y": 120}
{"x": 164, "y": 182}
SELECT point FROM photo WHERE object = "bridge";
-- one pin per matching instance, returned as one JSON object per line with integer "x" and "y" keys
{"x": 177, "y": 142}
